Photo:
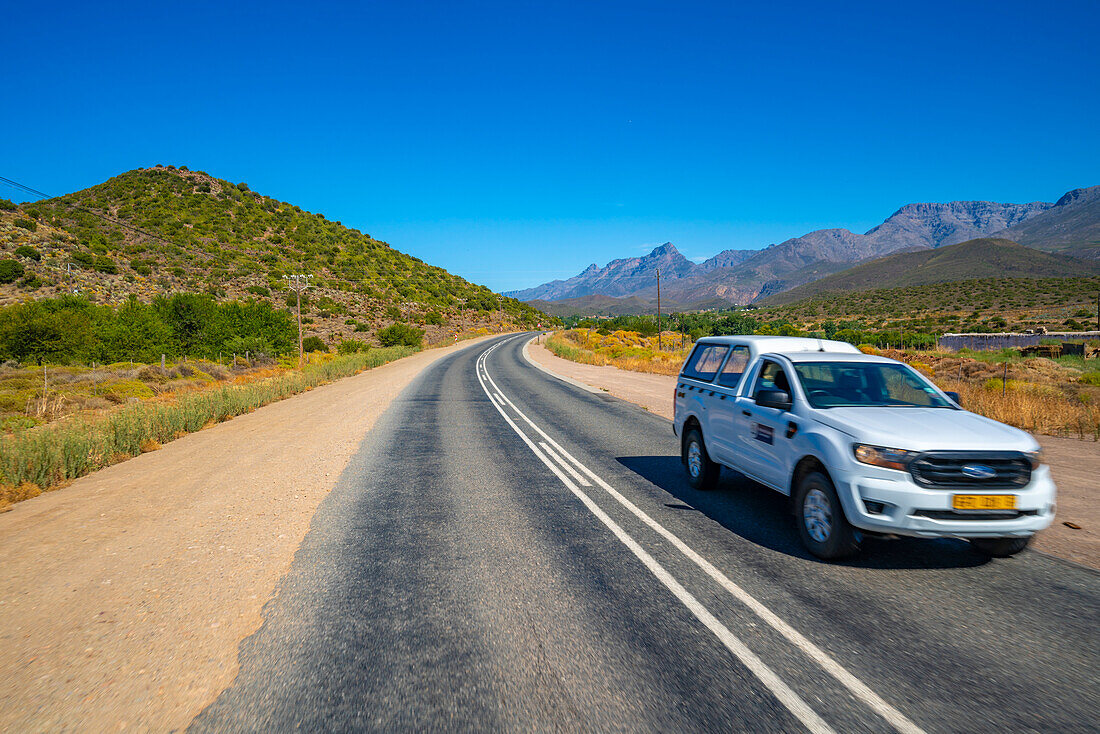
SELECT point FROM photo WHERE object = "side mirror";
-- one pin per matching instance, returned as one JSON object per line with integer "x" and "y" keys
{"x": 954, "y": 396}
{"x": 780, "y": 399}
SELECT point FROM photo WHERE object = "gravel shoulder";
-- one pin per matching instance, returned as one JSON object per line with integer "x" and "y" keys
{"x": 1074, "y": 463}
{"x": 123, "y": 597}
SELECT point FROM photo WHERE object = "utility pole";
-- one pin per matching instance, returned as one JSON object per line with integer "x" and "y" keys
{"x": 658, "y": 309}
{"x": 1098, "y": 311}
{"x": 298, "y": 282}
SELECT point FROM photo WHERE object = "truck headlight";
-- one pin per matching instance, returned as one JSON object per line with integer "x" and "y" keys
{"x": 887, "y": 458}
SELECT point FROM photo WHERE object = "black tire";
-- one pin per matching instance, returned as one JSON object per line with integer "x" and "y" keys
{"x": 999, "y": 547}
{"x": 822, "y": 525}
{"x": 702, "y": 473}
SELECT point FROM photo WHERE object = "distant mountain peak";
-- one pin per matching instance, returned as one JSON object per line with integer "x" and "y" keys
{"x": 740, "y": 276}
{"x": 1079, "y": 195}
{"x": 666, "y": 249}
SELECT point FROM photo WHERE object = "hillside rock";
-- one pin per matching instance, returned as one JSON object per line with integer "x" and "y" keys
{"x": 1070, "y": 227}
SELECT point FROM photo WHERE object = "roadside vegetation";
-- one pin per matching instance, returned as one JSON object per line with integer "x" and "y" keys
{"x": 162, "y": 230}
{"x": 1052, "y": 396}
{"x": 37, "y": 458}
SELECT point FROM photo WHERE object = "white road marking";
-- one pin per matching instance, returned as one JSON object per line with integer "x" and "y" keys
{"x": 748, "y": 658}
{"x": 855, "y": 686}
{"x": 565, "y": 465}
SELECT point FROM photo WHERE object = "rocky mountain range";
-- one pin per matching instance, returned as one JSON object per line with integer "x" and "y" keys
{"x": 1071, "y": 225}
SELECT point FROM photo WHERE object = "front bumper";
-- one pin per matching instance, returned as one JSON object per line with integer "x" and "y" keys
{"x": 909, "y": 509}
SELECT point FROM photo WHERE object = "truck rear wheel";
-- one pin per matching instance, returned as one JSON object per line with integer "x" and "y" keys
{"x": 824, "y": 529}
{"x": 701, "y": 471}
{"x": 999, "y": 547}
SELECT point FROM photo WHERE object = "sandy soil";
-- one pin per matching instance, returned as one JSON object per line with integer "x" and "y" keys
{"x": 123, "y": 597}
{"x": 1074, "y": 463}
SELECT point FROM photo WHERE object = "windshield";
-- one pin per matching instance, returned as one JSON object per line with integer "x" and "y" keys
{"x": 843, "y": 384}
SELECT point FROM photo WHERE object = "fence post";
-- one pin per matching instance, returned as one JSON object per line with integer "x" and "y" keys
{"x": 1004, "y": 380}
{"x": 162, "y": 361}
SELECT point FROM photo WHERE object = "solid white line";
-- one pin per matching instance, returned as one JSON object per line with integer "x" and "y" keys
{"x": 748, "y": 658}
{"x": 857, "y": 687}
{"x": 555, "y": 375}
{"x": 565, "y": 464}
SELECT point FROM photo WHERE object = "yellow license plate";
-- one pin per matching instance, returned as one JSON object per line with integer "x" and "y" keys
{"x": 984, "y": 501}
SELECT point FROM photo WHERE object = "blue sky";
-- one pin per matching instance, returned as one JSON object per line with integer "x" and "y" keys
{"x": 516, "y": 142}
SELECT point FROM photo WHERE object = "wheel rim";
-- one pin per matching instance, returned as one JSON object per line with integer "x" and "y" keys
{"x": 695, "y": 459}
{"x": 817, "y": 515}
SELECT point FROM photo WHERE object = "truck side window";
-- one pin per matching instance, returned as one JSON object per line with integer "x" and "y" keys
{"x": 705, "y": 361}
{"x": 734, "y": 367}
{"x": 771, "y": 377}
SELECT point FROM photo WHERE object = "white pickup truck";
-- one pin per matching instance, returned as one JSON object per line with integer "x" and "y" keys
{"x": 863, "y": 444}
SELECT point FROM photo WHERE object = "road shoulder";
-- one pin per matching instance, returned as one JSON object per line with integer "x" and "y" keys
{"x": 124, "y": 596}
{"x": 1074, "y": 463}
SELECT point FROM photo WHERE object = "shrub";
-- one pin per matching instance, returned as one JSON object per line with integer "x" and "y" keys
{"x": 6, "y": 205}
{"x": 258, "y": 290}
{"x": 352, "y": 346}
{"x": 104, "y": 264}
{"x": 249, "y": 344}
{"x": 433, "y": 317}
{"x": 10, "y": 271}
{"x": 26, "y": 224}
{"x": 28, "y": 252}
{"x": 313, "y": 344}
{"x": 400, "y": 334}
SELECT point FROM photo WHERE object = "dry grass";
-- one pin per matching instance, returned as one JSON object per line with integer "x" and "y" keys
{"x": 1039, "y": 395}
{"x": 626, "y": 350}
{"x": 51, "y": 455}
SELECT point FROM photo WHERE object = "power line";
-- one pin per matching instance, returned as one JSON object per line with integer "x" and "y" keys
{"x": 107, "y": 219}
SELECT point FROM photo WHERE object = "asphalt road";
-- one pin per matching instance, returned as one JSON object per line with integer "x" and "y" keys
{"x": 455, "y": 581}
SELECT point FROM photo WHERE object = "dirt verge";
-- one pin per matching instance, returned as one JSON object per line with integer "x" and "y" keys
{"x": 124, "y": 596}
{"x": 1074, "y": 463}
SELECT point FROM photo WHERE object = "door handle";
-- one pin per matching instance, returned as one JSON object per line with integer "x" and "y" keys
{"x": 746, "y": 413}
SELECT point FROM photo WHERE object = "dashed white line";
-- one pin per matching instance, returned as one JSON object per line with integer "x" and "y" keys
{"x": 854, "y": 685}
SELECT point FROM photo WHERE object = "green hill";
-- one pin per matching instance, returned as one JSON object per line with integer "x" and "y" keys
{"x": 974, "y": 259}
{"x": 162, "y": 230}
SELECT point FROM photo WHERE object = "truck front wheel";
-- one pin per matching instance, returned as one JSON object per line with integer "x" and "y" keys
{"x": 702, "y": 472}
{"x": 824, "y": 529}
{"x": 999, "y": 547}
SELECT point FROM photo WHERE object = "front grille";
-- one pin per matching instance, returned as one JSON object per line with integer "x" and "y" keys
{"x": 949, "y": 515}
{"x": 1007, "y": 470}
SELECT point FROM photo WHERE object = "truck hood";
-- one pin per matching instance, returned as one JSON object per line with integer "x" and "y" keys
{"x": 926, "y": 429}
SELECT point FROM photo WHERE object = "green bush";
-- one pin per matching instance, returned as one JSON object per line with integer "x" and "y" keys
{"x": 10, "y": 271}
{"x": 26, "y": 224}
{"x": 400, "y": 334}
{"x": 433, "y": 317}
{"x": 28, "y": 252}
{"x": 313, "y": 344}
{"x": 104, "y": 264}
{"x": 7, "y": 206}
{"x": 253, "y": 345}
{"x": 352, "y": 346}
{"x": 83, "y": 258}
{"x": 258, "y": 290}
